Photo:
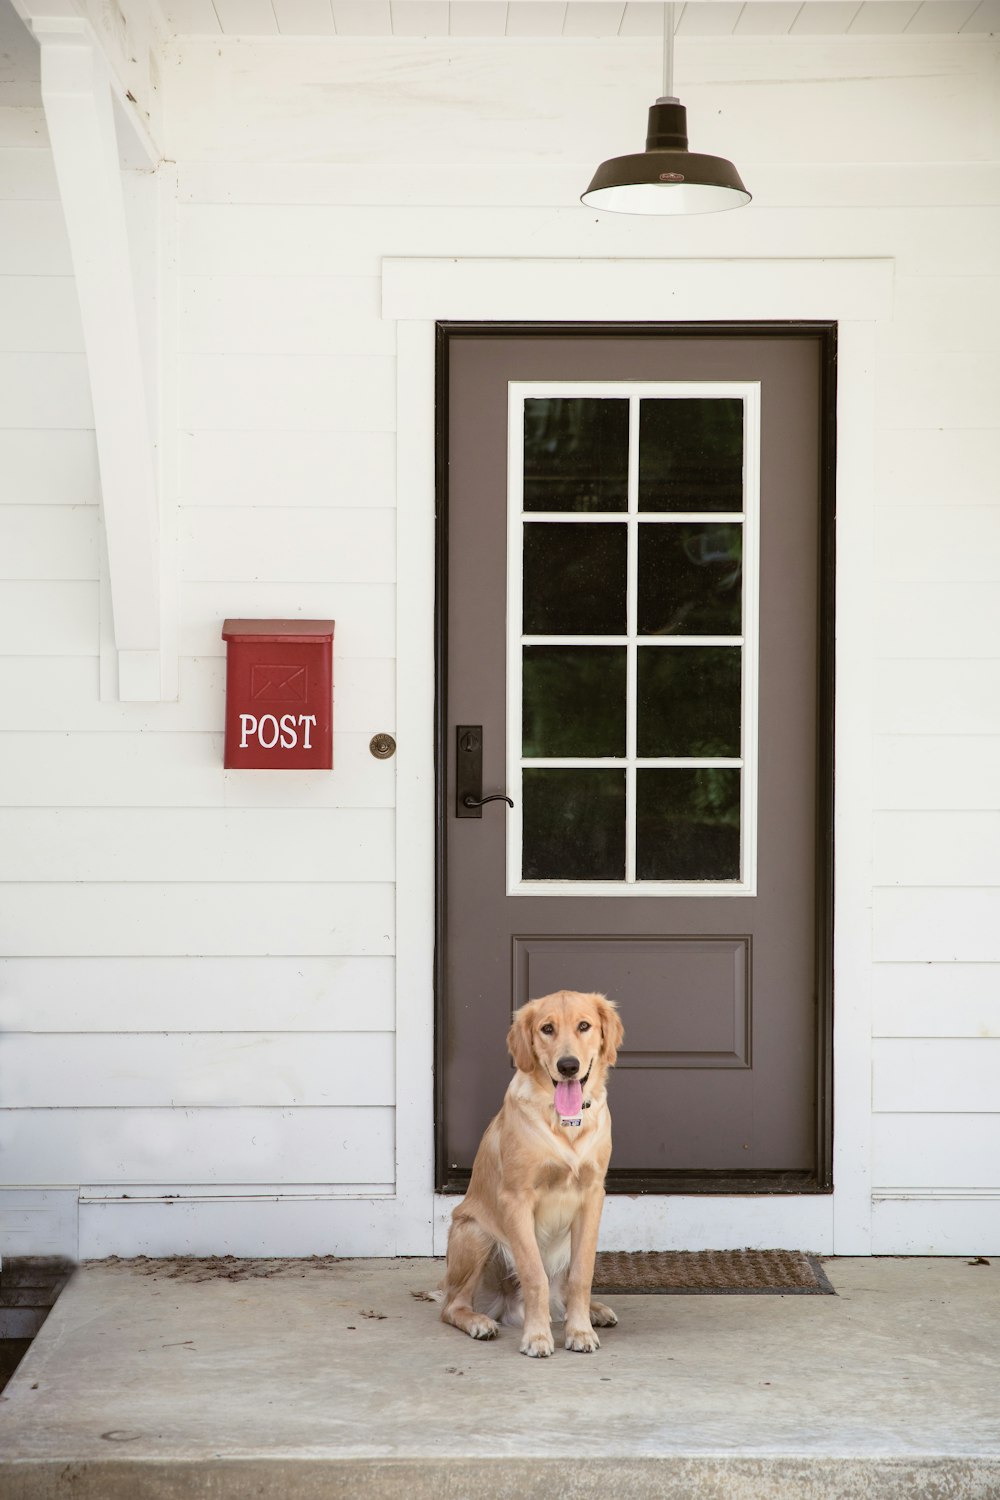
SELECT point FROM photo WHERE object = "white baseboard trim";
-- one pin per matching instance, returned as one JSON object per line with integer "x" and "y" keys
{"x": 704, "y": 1223}
{"x": 39, "y": 1221}
{"x": 936, "y": 1222}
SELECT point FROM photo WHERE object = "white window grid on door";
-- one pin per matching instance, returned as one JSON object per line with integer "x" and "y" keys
{"x": 749, "y": 517}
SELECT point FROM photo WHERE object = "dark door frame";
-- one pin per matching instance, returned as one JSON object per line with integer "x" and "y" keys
{"x": 820, "y": 1181}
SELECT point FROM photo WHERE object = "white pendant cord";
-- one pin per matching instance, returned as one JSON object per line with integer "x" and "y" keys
{"x": 668, "y": 56}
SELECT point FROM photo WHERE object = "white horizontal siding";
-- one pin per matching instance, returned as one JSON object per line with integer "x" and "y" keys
{"x": 215, "y": 920}
{"x": 307, "y": 545}
{"x": 178, "y": 769}
{"x": 949, "y": 1000}
{"x": 536, "y": 183}
{"x": 45, "y": 390}
{"x": 954, "y": 390}
{"x": 47, "y": 542}
{"x": 937, "y": 925}
{"x": 48, "y": 468}
{"x": 949, "y": 619}
{"x": 240, "y": 1069}
{"x": 365, "y": 613}
{"x": 937, "y": 1076}
{"x": 328, "y": 469}
{"x": 196, "y": 844}
{"x": 253, "y": 240}
{"x": 39, "y": 313}
{"x": 25, "y": 171}
{"x": 938, "y": 545}
{"x": 317, "y": 315}
{"x": 951, "y": 1151}
{"x": 62, "y": 692}
{"x": 33, "y": 239}
{"x": 937, "y": 466}
{"x": 286, "y": 392}
{"x": 936, "y": 771}
{"x": 883, "y": 88}
{"x": 44, "y": 618}
{"x": 53, "y": 1146}
{"x": 937, "y": 848}
{"x": 197, "y": 994}
{"x": 944, "y": 315}
{"x": 922, "y": 697}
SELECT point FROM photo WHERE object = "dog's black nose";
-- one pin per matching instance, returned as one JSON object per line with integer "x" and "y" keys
{"x": 568, "y": 1066}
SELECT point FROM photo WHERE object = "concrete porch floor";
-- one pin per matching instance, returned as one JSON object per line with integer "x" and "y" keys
{"x": 333, "y": 1381}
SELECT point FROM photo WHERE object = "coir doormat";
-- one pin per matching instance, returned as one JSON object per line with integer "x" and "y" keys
{"x": 711, "y": 1272}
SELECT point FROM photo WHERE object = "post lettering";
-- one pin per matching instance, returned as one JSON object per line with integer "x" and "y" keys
{"x": 268, "y": 730}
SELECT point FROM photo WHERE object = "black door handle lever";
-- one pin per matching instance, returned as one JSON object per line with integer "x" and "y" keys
{"x": 469, "y": 801}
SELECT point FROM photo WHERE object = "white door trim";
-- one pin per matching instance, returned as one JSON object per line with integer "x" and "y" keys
{"x": 858, "y": 295}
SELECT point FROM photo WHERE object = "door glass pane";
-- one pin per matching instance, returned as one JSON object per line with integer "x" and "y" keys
{"x": 574, "y": 578}
{"x": 573, "y": 824}
{"x": 690, "y": 579}
{"x": 575, "y": 453}
{"x": 687, "y": 824}
{"x": 688, "y": 700}
{"x": 691, "y": 454}
{"x": 573, "y": 700}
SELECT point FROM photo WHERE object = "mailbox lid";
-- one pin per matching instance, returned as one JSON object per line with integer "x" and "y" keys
{"x": 293, "y": 632}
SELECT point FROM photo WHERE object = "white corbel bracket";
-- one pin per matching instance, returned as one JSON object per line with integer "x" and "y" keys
{"x": 77, "y": 97}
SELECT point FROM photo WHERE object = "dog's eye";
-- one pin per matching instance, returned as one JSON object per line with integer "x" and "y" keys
{"x": 548, "y": 1029}
{"x": 583, "y": 1026}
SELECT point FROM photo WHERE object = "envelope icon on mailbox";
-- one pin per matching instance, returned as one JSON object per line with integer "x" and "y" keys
{"x": 270, "y": 683}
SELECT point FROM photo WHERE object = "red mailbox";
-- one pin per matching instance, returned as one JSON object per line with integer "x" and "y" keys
{"x": 279, "y": 694}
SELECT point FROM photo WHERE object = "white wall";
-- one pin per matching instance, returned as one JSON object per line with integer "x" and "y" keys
{"x": 253, "y": 1051}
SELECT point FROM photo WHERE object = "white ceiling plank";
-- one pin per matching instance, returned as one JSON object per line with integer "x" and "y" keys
{"x": 941, "y": 17}
{"x": 536, "y": 18}
{"x": 191, "y": 17}
{"x": 825, "y": 17}
{"x": 704, "y": 19}
{"x": 642, "y": 19}
{"x": 362, "y": 17}
{"x": 883, "y": 17}
{"x": 593, "y": 17}
{"x": 477, "y": 17}
{"x": 304, "y": 17}
{"x": 768, "y": 17}
{"x": 247, "y": 17}
{"x": 984, "y": 21}
{"x": 419, "y": 17}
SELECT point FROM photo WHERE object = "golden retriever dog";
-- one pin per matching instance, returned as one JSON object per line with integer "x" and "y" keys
{"x": 522, "y": 1242}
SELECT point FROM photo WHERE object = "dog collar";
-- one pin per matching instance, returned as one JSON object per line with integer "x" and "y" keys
{"x": 579, "y": 1119}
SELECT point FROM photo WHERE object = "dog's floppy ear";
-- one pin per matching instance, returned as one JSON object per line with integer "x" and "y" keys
{"x": 612, "y": 1030}
{"x": 519, "y": 1038}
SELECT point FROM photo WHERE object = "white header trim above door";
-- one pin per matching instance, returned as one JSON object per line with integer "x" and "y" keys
{"x": 857, "y": 294}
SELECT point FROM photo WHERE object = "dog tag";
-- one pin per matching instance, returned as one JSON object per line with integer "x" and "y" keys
{"x": 578, "y": 1121}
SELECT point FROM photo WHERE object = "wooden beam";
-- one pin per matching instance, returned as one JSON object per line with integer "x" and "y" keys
{"x": 77, "y": 96}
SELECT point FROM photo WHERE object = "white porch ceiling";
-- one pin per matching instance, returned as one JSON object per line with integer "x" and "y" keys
{"x": 580, "y": 18}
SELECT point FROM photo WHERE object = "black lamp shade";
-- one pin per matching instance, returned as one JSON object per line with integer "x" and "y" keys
{"x": 666, "y": 178}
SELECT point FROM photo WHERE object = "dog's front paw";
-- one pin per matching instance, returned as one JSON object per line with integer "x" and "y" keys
{"x": 602, "y": 1316}
{"x": 582, "y": 1340}
{"x": 481, "y": 1327}
{"x": 537, "y": 1345}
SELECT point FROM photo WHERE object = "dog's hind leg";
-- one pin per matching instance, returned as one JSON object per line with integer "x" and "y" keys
{"x": 469, "y": 1248}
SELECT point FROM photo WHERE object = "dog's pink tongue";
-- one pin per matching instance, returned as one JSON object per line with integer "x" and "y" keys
{"x": 569, "y": 1097}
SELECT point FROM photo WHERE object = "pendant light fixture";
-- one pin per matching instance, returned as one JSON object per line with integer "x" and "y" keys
{"x": 666, "y": 178}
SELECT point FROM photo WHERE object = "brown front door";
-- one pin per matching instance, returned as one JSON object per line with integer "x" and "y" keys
{"x": 633, "y": 548}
